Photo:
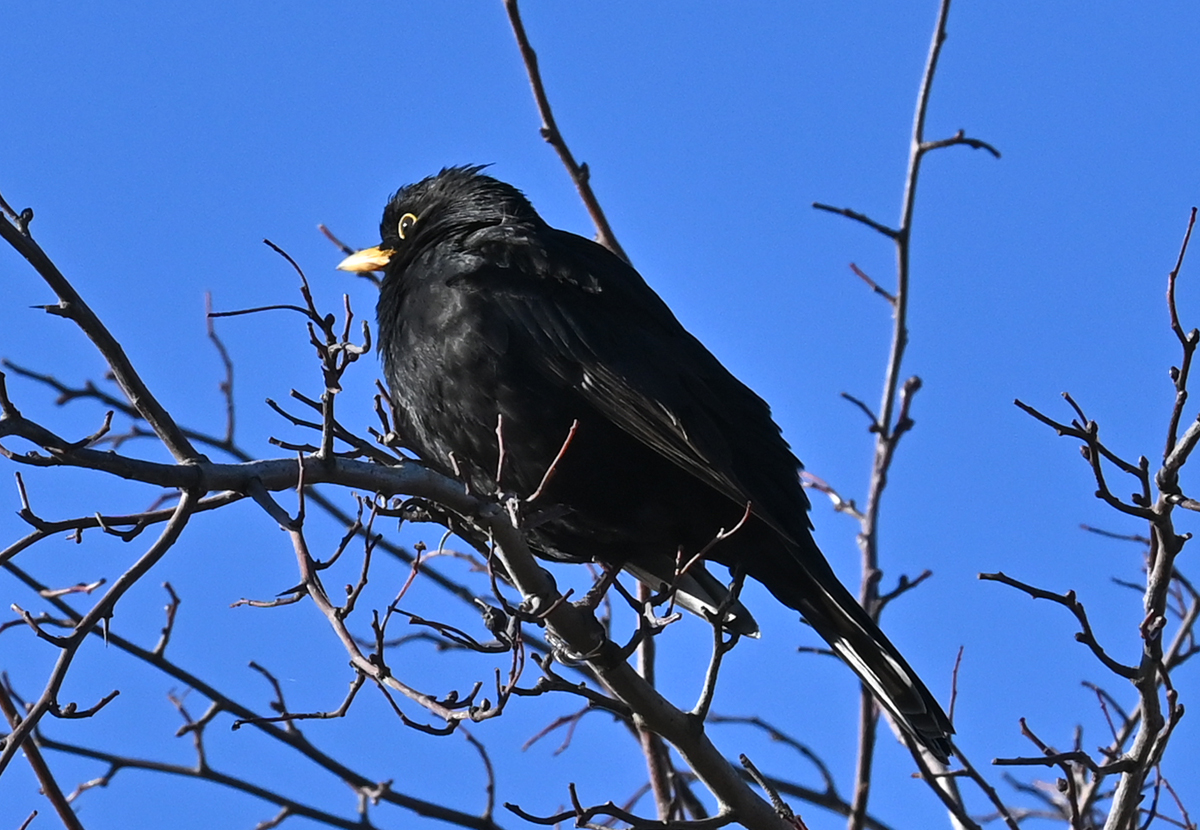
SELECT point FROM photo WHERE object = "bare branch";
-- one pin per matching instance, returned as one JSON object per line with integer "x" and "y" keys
{"x": 1068, "y": 601}
{"x": 579, "y": 173}
{"x": 102, "y": 610}
{"x": 72, "y": 306}
{"x": 223, "y": 702}
{"x": 890, "y": 233}
{"x": 226, "y": 385}
{"x": 787, "y": 740}
{"x": 1186, "y": 341}
{"x": 876, "y": 287}
{"x": 49, "y": 786}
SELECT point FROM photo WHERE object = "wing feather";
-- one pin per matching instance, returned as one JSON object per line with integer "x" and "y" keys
{"x": 655, "y": 380}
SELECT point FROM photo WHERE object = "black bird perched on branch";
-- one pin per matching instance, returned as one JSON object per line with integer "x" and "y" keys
{"x": 512, "y": 348}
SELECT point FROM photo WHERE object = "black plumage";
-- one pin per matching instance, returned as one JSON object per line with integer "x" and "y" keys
{"x": 490, "y": 317}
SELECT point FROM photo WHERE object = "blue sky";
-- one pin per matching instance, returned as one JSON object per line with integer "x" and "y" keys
{"x": 159, "y": 144}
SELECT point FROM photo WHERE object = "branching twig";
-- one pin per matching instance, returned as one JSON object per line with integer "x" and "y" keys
{"x": 1068, "y": 601}
{"x": 223, "y": 702}
{"x": 101, "y": 611}
{"x": 1140, "y": 737}
{"x": 893, "y": 418}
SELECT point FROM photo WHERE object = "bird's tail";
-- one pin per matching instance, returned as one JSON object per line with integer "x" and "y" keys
{"x": 854, "y": 636}
{"x": 698, "y": 591}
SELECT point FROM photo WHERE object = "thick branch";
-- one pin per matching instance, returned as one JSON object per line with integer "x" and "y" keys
{"x": 41, "y": 771}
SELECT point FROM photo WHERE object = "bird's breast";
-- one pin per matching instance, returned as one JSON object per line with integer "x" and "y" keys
{"x": 463, "y": 385}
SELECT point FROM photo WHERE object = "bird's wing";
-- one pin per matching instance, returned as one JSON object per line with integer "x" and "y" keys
{"x": 609, "y": 336}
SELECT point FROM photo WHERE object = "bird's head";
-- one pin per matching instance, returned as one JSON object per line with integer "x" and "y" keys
{"x": 455, "y": 202}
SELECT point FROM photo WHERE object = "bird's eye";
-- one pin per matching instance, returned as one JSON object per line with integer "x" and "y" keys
{"x": 407, "y": 221}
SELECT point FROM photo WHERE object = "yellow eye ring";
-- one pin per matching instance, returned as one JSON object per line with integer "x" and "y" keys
{"x": 406, "y": 224}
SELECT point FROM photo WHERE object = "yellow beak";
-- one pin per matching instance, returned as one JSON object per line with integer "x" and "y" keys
{"x": 368, "y": 259}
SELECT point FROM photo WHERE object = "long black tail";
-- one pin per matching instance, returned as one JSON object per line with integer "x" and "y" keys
{"x": 831, "y": 610}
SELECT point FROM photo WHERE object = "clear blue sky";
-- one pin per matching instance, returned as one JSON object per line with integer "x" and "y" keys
{"x": 158, "y": 144}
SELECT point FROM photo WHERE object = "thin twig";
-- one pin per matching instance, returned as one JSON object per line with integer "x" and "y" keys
{"x": 876, "y": 287}
{"x": 888, "y": 432}
{"x": 1068, "y": 601}
{"x": 226, "y": 384}
{"x": 579, "y": 173}
{"x": 1186, "y": 341}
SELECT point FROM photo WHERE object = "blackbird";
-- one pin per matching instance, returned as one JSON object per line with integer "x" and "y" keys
{"x": 512, "y": 349}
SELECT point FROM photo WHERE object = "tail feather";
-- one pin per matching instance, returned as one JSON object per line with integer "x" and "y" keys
{"x": 899, "y": 690}
{"x": 697, "y": 591}
{"x": 854, "y": 636}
